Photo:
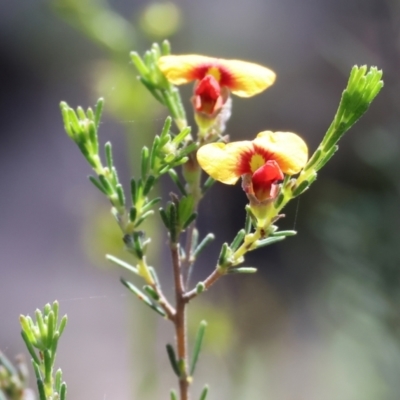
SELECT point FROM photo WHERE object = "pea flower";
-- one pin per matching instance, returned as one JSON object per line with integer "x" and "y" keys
{"x": 261, "y": 162}
{"x": 215, "y": 79}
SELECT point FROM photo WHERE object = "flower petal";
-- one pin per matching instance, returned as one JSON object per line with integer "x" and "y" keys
{"x": 185, "y": 68}
{"x": 264, "y": 178}
{"x": 223, "y": 161}
{"x": 286, "y": 148}
{"x": 245, "y": 79}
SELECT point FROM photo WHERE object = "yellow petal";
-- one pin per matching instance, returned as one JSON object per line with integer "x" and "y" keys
{"x": 286, "y": 148}
{"x": 243, "y": 78}
{"x": 223, "y": 161}
{"x": 246, "y": 79}
{"x": 183, "y": 69}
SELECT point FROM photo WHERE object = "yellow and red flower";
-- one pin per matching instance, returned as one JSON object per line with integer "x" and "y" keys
{"x": 261, "y": 162}
{"x": 215, "y": 79}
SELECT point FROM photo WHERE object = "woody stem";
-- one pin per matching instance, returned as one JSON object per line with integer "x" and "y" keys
{"x": 180, "y": 323}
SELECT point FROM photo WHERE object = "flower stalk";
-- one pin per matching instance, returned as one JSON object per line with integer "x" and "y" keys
{"x": 274, "y": 169}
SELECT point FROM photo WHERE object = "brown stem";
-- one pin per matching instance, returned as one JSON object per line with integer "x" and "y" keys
{"x": 215, "y": 275}
{"x": 164, "y": 303}
{"x": 180, "y": 323}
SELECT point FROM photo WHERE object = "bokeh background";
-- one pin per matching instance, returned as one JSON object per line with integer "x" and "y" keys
{"x": 320, "y": 321}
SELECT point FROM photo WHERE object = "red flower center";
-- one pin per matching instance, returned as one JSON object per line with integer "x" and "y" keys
{"x": 264, "y": 179}
{"x": 207, "y": 96}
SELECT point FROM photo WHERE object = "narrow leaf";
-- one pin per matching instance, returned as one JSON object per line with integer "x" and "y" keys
{"x": 242, "y": 270}
{"x": 97, "y": 184}
{"x": 207, "y": 240}
{"x": 204, "y": 393}
{"x": 172, "y": 359}
{"x": 63, "y": 324}
{"x": 222, "y": 254}
{"x": 190, "y": 220}
{"x": 98, "y": 111}
{"x": 109, "y": 156}
{"x": 197, "y": 345}
{"x": 175, "y": 178}
{"x": 63, "y": 391}
{"x": 145, "y": 162}
{"x": 121, "y": 263}
{"x": 284, "y": 233}
{"x": 268, "y": 241}
{"x": 141, "y": 296}
{"x": 238, "y": 240}
{"x": 151, "y": 292}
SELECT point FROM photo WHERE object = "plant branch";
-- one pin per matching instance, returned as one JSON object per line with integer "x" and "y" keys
{"x": 215, "y": 275}
{"x": 180, "y": 323}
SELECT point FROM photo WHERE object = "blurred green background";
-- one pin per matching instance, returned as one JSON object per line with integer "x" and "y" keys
{"x": 321, "y": 319}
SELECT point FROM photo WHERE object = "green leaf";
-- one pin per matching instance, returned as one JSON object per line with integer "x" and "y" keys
{"x": 63, "y": 391}
{"x": 248, "y": 222}
{"x": 121, "y": 195}
{"x": 268, "y": 241}
{"x": 242, "y": 270}
{"x": 152, "y": 89}
{"x": 97, "y": 184}
{"x": 92, "y": 130}
{"x": 55, "y": 307}
{"x": 164, "y": 217}
{"x": 150, "y": 204}
{"x": 197, "y": 345}
{"x": 172, "y": 359}
{"x": 327, "y": 157}
{"x": 151, "y": 292}
{"x": 141, "y": 296}
{"x": 207, "y": 184}
{"x": 132, "y": 214}
{"x": 143, "y": 217}
{"x": 29, "y": 346}
{"x": 189, "y": 220}
{"x": 204, "y": 393}
{"x": 109, "y": 156}
{"x": 284, "y": 233}
{"x": 185, "y": 209}
{"x": 40, "y": 324}
{"x": 207, "y": 240}
{"x": 106, "y": 185}
{"x": 145, "y": 162}
{"x": 121, "y": 264}
{"x": 165, "y": 48}
{"x": 174, "y": 396}
{"x": 98, "y": 111}
{"x": 222, "y": 255}
{"x": 58, "y": 381}
{"x": 237, "y": 241}
{"x": 81, "y": 113}
{"x": 139, "y": 64}
{"x": 48, "y": 366}
{"x": 39, "y": 381}
{"x": 175, "y": 178}
{"x": 50, "y": 328}
{"x": 150, "y": 181}
{"x": 301, "y": 188}
{"x": 62, "y": 325}
{"x": 182, "y": 135}
{"x": 166, "y": 128}
{"x": 137, "y": 245}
